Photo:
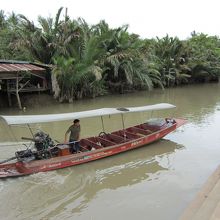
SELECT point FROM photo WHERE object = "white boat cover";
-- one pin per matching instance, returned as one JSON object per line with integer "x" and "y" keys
{"x": 31, "y": 119}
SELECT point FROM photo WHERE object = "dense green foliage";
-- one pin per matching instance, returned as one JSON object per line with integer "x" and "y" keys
{"x": 92, "y": 60}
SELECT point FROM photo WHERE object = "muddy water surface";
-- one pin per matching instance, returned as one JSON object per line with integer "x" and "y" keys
{"x": 153, "y": 182}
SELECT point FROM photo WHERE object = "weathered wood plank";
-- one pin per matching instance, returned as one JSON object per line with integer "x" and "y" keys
{"x": 206, "y": 201}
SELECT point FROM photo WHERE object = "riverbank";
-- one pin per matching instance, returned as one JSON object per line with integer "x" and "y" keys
{"x": 38, "y": 99}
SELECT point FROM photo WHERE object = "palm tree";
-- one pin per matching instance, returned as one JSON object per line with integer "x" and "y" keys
{"x": 91, "y": 60}
{"x": 2, "y": 19}
{"x": 170, "y": 52}
{"x": 8, "y": 38}
{"x": 40, "y": 41}
{"x": 84, "y": 72}
{"x": 204, "y": 55}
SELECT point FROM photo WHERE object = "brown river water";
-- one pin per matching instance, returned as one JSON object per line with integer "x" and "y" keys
{"x": 155, "y": 182}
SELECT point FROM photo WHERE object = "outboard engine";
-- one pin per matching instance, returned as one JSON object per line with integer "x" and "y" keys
{"x": 44, "y": 148}
{"x": 42, "y": 141}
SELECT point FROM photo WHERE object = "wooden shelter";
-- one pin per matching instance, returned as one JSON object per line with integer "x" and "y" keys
{"x": 20, "y": 76}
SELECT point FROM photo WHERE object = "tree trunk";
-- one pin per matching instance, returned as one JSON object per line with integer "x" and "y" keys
{"x": 55, "y": 86}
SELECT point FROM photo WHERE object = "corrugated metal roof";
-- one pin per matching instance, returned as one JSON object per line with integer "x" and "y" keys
{"x": 15, "y": 61}
{"x": 6, "y": 67}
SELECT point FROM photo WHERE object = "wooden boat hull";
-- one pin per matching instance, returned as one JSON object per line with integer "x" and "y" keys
{"x": 26, "y": 168}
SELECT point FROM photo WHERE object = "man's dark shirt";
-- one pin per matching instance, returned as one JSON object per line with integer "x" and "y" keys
{"x": 74, "y": 131}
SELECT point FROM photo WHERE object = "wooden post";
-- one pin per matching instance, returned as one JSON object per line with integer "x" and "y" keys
{"x": 9, "y": 99}
{"x": 19, "y": 101}
{"x": 9, "y": 95}
{"x": 17, "y": 94}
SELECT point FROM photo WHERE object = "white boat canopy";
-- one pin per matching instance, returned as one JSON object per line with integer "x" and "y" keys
{"x": 32, "y": 119}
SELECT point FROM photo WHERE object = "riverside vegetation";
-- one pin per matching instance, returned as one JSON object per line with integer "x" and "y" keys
{"x": 92, "y": 60}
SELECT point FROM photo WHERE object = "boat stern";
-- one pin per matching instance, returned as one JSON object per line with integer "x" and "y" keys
{"x": 11, "y": 170}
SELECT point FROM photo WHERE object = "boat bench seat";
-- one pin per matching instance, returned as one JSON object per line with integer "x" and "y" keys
{"x": 138, "y": 130}
{"x": 114, "y": 138}
{"x": 122, "y": 135}
{"x": 132, "y": 135}
{"x": 149, "y": 128}
{"x": 105, "y": 142}
{"x": 127, "y": 135}
{"x": 91, "y": 143}
{"x": 83, "y": 148}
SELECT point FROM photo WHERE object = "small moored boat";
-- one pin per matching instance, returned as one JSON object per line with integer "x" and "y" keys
{"x": 45, "y": 155}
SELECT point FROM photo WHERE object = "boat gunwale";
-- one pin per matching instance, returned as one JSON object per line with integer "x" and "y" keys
{"x": 30, "y": 166}
{"x": 76, "y": 156}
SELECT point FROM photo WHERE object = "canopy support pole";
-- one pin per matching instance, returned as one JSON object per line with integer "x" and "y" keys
{"x": 151, "y": 114}
{"x": 123, "y": 125}
{"x": 103, "y": 128}
{"x": 30, "y": 130}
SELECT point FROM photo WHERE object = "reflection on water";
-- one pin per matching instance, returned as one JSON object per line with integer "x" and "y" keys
{"x": 191, "y": 101}
{"x": 73, "y": 189}
{"x": 156, "y": 181}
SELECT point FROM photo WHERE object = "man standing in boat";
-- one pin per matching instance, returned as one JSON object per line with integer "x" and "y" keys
{"x": 74, "y": 131}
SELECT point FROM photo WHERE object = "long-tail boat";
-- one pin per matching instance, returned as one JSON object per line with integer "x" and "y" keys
{"x": 45, "y": 155}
